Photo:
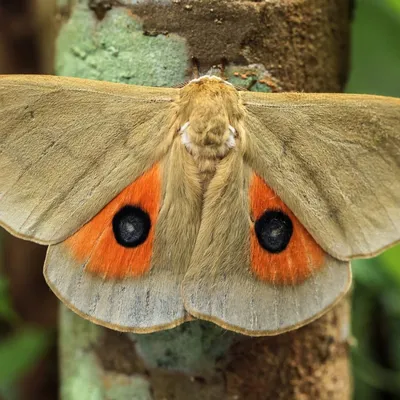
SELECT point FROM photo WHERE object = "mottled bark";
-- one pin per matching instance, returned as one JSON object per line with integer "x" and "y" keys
{"x": 263, "y": 45}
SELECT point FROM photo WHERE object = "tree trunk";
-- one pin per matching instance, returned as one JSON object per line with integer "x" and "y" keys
{"x": 263, "y": 45}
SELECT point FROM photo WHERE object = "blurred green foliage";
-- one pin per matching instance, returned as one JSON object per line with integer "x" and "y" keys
{"x": 6, "y": 311}
{"x": 375, "y": 61}
{"x": 376, "y": 295}
{"x": 19, "y": 352}
{"x": 21, "y": 345}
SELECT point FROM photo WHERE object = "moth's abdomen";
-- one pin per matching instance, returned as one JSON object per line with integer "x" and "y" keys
{"x": 282, "y": 251}
{"x": 118, "y": 241}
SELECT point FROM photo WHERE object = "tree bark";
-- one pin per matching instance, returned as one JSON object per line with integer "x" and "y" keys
{"x": 263, "y": 45}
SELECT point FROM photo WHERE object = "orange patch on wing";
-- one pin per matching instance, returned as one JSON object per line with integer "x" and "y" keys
{"x": 95, "y": 243}
{"x": 302, "y": 256}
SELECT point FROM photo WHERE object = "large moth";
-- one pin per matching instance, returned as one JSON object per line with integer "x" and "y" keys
{"x": 160, "y": 205}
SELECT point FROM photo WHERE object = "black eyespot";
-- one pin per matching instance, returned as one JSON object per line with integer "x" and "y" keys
{"x": 131, "y": 226}
{"x": 274, "y": 230}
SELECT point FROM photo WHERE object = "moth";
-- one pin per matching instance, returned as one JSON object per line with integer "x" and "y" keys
{"x": 162, "y": 205}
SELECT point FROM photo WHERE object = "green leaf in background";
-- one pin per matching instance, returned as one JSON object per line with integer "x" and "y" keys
{"x": 389, "y": 261}
{"x": 19, "y": 352}
{"x": 375, "y": 58}
{"x": 381, "y": 378}
{"x": 6, "y": 311}
{"x": 395, "y": 5}
{"x": 372, "y": 276}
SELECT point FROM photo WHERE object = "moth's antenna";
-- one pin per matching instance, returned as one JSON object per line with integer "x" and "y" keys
{"x": 222, "y": 67}
{"x": 195, "y": 68}
{"x": 180, "y": 85}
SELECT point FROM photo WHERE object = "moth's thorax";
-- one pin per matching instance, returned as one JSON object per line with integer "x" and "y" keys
{"x": 209, "y": 115}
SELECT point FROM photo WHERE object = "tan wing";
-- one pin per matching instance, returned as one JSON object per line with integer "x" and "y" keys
{"x": 335, "y": 161}
{"x": 68, "y": 146}
{"x": 134, "y": 288}
{"x": 235, "y": 283}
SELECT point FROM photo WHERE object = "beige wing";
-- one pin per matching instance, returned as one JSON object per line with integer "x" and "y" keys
{"x": 68, "y": 146}
{"x": 235, "y": 282}
{"x": 335, "y": 161}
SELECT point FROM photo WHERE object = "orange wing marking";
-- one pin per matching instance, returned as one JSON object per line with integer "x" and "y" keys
{"x": 96, "y": 245}
{"x": 302, "y": 256}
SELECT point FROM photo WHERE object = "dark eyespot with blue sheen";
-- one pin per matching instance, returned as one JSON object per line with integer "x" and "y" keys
{"x": 274, "y": 230}
{"x": 131, "y": 226}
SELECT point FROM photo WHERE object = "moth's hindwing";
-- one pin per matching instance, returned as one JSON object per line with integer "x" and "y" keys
{"x": 255, "y": 269}
{"x": 124, "y": 268}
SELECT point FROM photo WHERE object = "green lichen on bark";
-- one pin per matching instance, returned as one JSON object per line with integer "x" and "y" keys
{"x": 82, "y": 374}
{"x": 79, "y": 370}
{"x": 193, "y": 347}
{"x": 116, "y": 49}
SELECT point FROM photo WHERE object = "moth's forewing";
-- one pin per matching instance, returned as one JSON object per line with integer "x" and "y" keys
{"x": 334, "y": 159}
{"x": 69, "y": 146}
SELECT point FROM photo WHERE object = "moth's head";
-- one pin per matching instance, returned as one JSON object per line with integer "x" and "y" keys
{"x": 211, "y": 109}
{"x": 209, "y": 89}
